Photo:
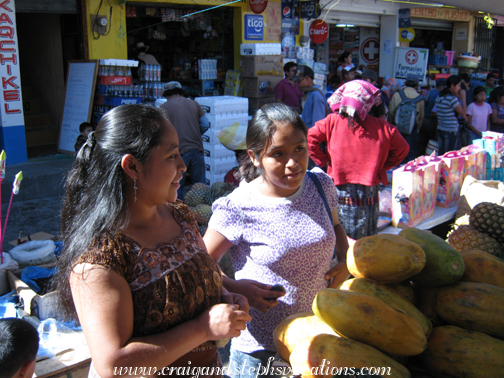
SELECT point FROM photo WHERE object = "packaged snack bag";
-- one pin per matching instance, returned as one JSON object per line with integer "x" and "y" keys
{"x": 451, "y": 172}
{"x": 430, "y": 166}
{"x": 407, "y": 184}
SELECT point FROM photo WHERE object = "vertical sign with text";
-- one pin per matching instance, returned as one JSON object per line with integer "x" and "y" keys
{"x": 254, "y": 27}
{"x": 11, "y": 101}
{"x": 290, "y": 17}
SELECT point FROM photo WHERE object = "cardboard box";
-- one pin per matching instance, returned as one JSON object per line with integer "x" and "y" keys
{"x": 41, "y": 306}
{"x": 256, "y": 103}
{"x": 257, "y": 65}
{"x": 260, "y": 86}
{"x": 115, "y": 80}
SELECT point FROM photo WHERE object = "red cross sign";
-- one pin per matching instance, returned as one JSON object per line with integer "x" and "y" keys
{"x": 411, "y": 57}
{"x": 370, "y": 50}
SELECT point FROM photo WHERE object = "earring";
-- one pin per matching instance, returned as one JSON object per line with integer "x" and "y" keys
{"x": 135, "y": 188}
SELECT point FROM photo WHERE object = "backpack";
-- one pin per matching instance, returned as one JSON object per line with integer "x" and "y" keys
{"x": 405, "y": 117}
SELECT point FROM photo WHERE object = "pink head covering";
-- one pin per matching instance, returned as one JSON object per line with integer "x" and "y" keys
{"x": 356, "y": 96}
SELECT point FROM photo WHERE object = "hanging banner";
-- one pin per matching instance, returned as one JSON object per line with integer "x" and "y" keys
{"x": 413, "y": 61}
{"x": 318, "y": 31}
{"x": 308, "y": 9}
{"x": 290, "y": 17}
{"x": 258, "y": 6}
{"x": 254, "y": 27}
{"x": 11, "y": 104}
{"x": 404, "y": 18}
{"x": 273, "y": 21}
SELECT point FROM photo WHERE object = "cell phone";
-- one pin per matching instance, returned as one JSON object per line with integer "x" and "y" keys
{"x": 276, "y": 287}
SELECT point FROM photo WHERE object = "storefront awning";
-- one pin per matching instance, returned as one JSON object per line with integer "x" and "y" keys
{"x": 427, "y": 23}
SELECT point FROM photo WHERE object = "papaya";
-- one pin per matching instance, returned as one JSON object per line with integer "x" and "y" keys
{"x": 327, "y": 356}
{"x": 405, "y": 290}
{"x": 389, "y": 296}
{"x": 482, "y": 267}
{"x": 454, "y": 352}
{"x": 295, "y": 328}
{"x": 365, "y": 318}
{"x": 444, "y": 264}
{"x": 474, "y": 306}
{"x": 385, "y": 258}
{"x": 426, "y": 303}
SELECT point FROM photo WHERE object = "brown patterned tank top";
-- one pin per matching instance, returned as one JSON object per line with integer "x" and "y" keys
{"x": 170, "y": 284}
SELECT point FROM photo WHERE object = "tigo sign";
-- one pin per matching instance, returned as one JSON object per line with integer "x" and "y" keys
{"x": 318, "y": 31}
{"x": 254, "y": 27}
{"x": 308, "y": 9}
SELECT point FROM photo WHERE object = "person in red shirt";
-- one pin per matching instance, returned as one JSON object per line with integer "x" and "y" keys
{"x": 358, "y": 151}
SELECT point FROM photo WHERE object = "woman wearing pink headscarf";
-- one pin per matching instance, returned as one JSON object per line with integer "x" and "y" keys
{"x": 358, "y": 149}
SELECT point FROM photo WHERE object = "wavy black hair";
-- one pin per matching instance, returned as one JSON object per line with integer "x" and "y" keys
{"x": 260, "y": 132}
{"x": 452, "y": 80}
{"x": 95, "y": 202}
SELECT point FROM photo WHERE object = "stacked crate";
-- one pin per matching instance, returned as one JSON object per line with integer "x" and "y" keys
{"x": 221, "y": 111}
{"x": 262, "y": 70}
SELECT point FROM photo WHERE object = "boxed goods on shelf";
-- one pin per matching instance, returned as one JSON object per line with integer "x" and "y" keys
{"x": 260, "y": 86}
{"x": 255, "y": 65}
{"x": 261, "y": 49}
{"x": 217, "y": 105}
{"x": 216, "y": 151}
{"x": 256, "y": 103}
{"x": 222, "y": 121}
{"x": 220, "y": 166}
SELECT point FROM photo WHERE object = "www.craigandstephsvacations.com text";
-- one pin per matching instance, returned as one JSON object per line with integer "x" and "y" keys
{"x": 325, "y": 368}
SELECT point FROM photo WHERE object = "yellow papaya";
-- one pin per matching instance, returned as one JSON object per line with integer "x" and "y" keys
{"x": 295, "y": 328}
{"x": 474, "y": 306}
{"x": 385, "y": 258}
{"x": 454, "y": 352}
{"x": 370, "y": 320}
{"x": 405, "y": 290}
{"x": 389, "y": 296}
{"x": 327, "y": 356}
{"x": 482, "y": 267}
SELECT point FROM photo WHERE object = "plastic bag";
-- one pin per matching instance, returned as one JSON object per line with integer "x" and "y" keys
{"x": 8, "y": 264}
{"x": 8, "y": 305}
{"x": 386, "y": 200}
{"x": 31, "y": 273}
{"x": 35, "y": 252}
{"x": 55, "y": 338}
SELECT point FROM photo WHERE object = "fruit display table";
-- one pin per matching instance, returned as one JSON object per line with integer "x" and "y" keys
{"x": 440, "y": 215}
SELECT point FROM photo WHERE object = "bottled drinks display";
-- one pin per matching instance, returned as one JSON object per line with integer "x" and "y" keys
{"x": 149, "y": 72}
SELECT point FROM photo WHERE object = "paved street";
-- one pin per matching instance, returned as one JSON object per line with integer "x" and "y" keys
{"x": 31, "y": 216}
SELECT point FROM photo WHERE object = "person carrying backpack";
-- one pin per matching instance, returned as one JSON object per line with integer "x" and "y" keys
{"x": 406, "y": 112}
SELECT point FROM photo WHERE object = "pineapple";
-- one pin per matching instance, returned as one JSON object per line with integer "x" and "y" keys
{"x": 488, "y": 218}
{"x": 204, "y": 212}
{"x": 220, "y": 189}
{"x": 196, "y": 197}
{"x": 465, "y": 237}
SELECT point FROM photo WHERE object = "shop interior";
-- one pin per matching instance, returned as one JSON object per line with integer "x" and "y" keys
{"x": 178, "y": 40}
{"x": 428, "y": 38}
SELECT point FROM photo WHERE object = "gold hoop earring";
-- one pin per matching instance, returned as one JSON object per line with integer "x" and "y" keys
{"x": 135, "y": 189}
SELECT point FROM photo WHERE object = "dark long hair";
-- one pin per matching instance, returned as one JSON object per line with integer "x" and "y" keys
{"x": 95, "y": 202}
{"x": 452, "y": 80}
{"x": 496, "y": 94}
{"x": 260, "y": 131}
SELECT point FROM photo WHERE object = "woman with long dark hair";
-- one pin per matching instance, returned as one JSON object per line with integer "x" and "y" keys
{"x": 447, "y": 108}
{"x": 134, "y": 268}
{"x": 496, "y": 101}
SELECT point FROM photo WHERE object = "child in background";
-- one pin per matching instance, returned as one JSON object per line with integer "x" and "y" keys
{"x": 84, "y": 129}
{"x": 478, "y": 114}
{"x": 277, "y": 228}
{"x": 19, "y": 342}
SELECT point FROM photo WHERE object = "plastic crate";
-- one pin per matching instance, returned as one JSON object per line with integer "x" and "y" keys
{"x": 439, "y": 60}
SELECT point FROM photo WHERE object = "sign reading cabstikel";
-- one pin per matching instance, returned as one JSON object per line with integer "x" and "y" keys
{"x": 11, "y": 101}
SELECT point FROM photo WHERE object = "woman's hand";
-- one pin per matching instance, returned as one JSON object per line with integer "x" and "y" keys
{"x": 255, "y": 292}
{"x": 236, "y": 299}
{"x": 339, "y": 274}
{"x": 223, "y": 321}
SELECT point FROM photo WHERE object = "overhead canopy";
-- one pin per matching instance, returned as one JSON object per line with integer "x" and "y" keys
{"x": 487, "y": 6}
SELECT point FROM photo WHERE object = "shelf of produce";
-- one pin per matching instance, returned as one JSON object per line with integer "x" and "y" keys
{"x": 440, "y": 215}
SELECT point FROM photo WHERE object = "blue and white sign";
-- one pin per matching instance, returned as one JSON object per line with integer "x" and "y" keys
{"x": 404, "y": 18}
{"x": 254, "y": 27}
{"x": 308, "y": 9}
